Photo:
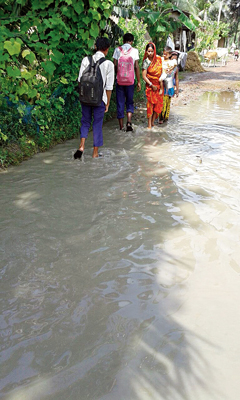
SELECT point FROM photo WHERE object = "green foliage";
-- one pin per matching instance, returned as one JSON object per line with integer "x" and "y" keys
{"x": 47, "y": 125}
{"x": 185, "y": 20}
{"x": 47, "y": 36}
{"x": 42, "y": 44}
{"x": 227, "y": 12}
{"x": 209, "y": 32}
{"x": 234, "y": 20}
{"x": 12, "y": 46}
{"x": 125, "y": 8}
{"x": 160, "y": 22}
{"x": 138, "y": 29}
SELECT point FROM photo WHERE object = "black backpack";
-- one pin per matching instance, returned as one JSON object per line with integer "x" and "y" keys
{"x": 91, "y": 83}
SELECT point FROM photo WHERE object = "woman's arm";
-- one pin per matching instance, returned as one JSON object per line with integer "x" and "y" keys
{"x": 144, "y": 75}
{"x": 145, "y": 78}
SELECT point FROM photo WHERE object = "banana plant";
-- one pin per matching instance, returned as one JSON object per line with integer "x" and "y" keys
{"x": 161, "y": 20}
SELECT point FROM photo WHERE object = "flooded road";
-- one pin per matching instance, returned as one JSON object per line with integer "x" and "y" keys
{"x": 120, "y": 276}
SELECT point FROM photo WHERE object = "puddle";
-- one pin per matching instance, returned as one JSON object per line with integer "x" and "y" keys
{"x": 120, "y": 276}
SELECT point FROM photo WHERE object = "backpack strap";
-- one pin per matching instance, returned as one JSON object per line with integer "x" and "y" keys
{"x": 101, "y": 60}
{"x": 124, "y": 51}
{"x": 94, "y": 64}
{"x": 90, "y": 60}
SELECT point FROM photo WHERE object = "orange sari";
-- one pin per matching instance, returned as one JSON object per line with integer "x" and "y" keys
{"x": 154, "y": 99}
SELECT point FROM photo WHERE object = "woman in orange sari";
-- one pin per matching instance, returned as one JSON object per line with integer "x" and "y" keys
{"x": 151, "y": 72}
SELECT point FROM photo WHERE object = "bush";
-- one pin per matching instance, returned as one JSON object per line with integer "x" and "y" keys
{"x": 41, "y": 46}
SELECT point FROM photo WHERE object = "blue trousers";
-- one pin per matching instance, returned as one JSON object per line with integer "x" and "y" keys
{"x": 97, "y": 113}
{"x": 124, "y": 95}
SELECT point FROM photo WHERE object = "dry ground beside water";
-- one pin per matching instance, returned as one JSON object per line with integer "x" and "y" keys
{"x": 215, "y": 79}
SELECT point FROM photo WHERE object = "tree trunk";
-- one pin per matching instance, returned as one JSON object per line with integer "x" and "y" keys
{"x": 236, "y": 32}
{"x": 220, "y": 10}
{"x": 205, "y": 15}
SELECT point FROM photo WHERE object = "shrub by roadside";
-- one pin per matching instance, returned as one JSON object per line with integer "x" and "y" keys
{"x": 23, "y": 134}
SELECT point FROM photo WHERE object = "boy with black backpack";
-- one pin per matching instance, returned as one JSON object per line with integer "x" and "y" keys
{"x": 95, "y": 83}
{"x": 126, "y": 66}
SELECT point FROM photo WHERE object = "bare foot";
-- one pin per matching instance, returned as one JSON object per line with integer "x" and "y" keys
{"x": 82, "y": 144}
{"x": 95, "y": 152}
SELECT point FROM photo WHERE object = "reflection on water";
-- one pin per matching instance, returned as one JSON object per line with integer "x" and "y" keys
{"x": 119, "y": 275}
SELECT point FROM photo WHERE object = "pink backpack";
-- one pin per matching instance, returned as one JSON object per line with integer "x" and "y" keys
{"x": 125, "y": 74}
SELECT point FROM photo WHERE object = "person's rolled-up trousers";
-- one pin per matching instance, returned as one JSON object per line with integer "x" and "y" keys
{"x": 98, "y": 114}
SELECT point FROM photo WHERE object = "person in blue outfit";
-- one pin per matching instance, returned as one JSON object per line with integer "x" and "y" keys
{"x": 96, "y": 112}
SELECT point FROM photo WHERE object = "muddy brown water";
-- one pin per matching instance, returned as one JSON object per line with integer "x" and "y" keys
{"x": 120, "y": 276}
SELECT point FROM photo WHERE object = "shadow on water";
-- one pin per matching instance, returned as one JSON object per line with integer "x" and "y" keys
{"x": 98, "y": 256}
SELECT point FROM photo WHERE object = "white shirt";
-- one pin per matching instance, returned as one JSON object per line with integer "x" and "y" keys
{"x": 107, "y": 71}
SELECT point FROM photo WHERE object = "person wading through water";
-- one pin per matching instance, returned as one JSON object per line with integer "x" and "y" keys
{"x": 151, "y": 72}
{"x": 126, "y": 67}
{"x": 93, "y": 84}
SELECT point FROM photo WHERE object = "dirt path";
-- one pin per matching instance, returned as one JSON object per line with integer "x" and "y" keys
{"x": 220, "y": 78}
